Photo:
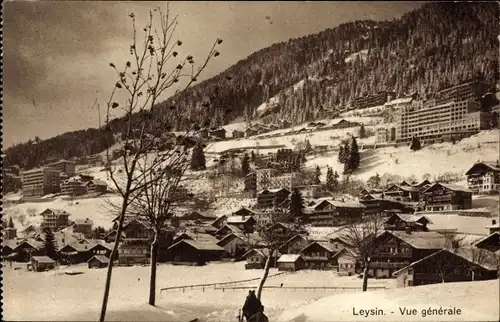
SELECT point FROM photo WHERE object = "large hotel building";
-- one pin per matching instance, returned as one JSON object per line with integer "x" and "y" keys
{"x": 40, "y": 181}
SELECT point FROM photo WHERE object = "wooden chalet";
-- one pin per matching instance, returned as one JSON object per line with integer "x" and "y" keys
{"x": 219, "y": 133}
{"x": 226, "y": 230}
{"x": 397, "y": 249}
{"x": 290, "y": 262}
{"x": 400, "y": 221}
{"x": 41, "y": 263}
{"x": 449, "y": 266}
{"x": 294, "y": 245}
{"x": 98, "y": 261}
{"x": 490, "y": 242}
{"x": 319, "y": 255}
{"x": 191, "y": 252}
{"x": 403, "y": 191}
{"x": 329, "y": 212}
{"x": 245, "y": 223}
{"x": 236, "y": 244}
{"x": 219, "y": 222}
{"x": 347, "y": 262}
{"x": 256, "y": 258}
{"x": 81, "y": 252}
{"x": 238, "y": 134}
{"x": 379, "y": 203}
{"x": 26, "y": 249}
{"x": 484, "y": 178}
{"x": 441, "y": 196}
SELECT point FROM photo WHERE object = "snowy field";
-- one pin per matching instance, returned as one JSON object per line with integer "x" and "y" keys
{"x": 478, "y": 301}
{"x": 57, "y": 296}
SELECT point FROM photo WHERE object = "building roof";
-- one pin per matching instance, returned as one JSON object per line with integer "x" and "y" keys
{"x": 86, "y": 221}
{"x": 238, "y": 219}
{"x": 449, "y": 186}
{"x": 199, "y": 245}
{"x": 486, "y": 259}
{"x": 293, "y": 238}
{"x": 289, "y": 258}
{"x": 43, "y": 259}
{"x": 420, "y": 239}
{"x": 100, "y": 258}
{"x": 232, "y": 228}
{"x": 261, "y": 251}
{"x": 410, "y": 218}
{"x": 59, "y": 212}
{"x": 253, "y": 238}
{"x": 492, "y": 236}
{"x": 494, "y": 166}
{"x": 326, "y": 245}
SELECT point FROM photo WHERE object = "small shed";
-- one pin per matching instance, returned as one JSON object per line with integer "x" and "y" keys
{"x": 98, "y": 261}
{"x": 290, "y": 262}
{"x": 42, "y": 263}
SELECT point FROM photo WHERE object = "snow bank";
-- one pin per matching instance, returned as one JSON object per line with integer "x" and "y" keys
{"x": 478, "y": 301}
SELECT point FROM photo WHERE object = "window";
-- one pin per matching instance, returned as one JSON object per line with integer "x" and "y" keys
{"x": 410, "y": 271}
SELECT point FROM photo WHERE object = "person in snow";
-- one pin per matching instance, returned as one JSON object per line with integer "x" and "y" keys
{"x": 252, "y": 306}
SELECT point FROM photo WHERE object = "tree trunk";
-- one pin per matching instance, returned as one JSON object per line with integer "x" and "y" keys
{"x": 152, "y": 277}
{"x": 365, "y": 276}
{"x": 114, "y": 253}
{"x": 266, "y": 273}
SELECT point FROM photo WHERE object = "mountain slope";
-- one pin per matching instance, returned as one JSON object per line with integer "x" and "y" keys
{"x": 437, "y": 45}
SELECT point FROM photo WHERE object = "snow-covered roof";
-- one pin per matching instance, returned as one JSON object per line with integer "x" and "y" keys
{"x": 238, "y": 219}
{"x": 289, "y": 258}
{"x": 100, "y": 258}
{"x": 420, "y": 239}
{"x": 43, "y": 259}
{"x": 402, "y": 100}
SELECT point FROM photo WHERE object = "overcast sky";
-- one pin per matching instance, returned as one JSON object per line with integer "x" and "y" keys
{"x": 57, "y": 54}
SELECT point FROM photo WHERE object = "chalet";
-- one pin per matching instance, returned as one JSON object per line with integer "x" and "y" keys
{"x": 195, "y": 252}
{"x": 180, "y": 236}
{"x": 245, "y": 223}
{"x": 313, "y": 191}
{"x": 133, "y": 251}
{"x": 238, "y": 134}
{"x": 81, "y": 252}
{"x": 83, "y": 226}
{"x": 294, "y": 245}
{"x": 9, "y": 233}
{"x": 347, "y": 262}
{"x": 421, "y": 184}
{"x": 449, "y": 266}
{"x": 407, "y": 221}
{"x": 8, "y": 248}
{"x": 42, "y": 263}
{"x": 441, "y": 196}
{"x": 267, "y": 198}
{"x": 55, "y": 219}
{"x": 250, "y": 132}
{"x": 490, "y": 242}
{"x": 403, "y": 191}
{"x": 484, "y": 178}
{"x": 237, "y": 244}
{"x": 26, "y": 249}
{"x": 98, "y": 261}
{"x": 397, "y": 249}
{"x": 256, "y": 258}
{"x": 219, "y": 222}
{"x": 226, "y": 230}
{"x": 343, "y": 124}
{"x": 378, "y": 203}
{"x": 283, "y": 230}
{"x": 195, "y": 216}
{"x": 96, "y": 186}
{"x": 290, "y": 262}
{"x": 219, "y": 133}
{"x": 318, "y": 255}
{"x": 329, "y": 212}
{"x": 243, "y": 211}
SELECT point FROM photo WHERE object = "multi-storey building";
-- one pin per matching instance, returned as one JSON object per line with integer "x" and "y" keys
{"x": 251, "y": 182}
{"x": 381, "y": 135}
{"x": 268, "y": 179}
{"x": 55, "y": 219}
{"x": 73, "y": 187}
{"x": 484, "y": 177}
{"x": 441, "y": 196}
{"x": 428, "y": 121}
{"x": 65, "y": 166}
{"x": 371, "y": 100}
{"x": 468, "y": 90}
{"x": 40, "y": 181}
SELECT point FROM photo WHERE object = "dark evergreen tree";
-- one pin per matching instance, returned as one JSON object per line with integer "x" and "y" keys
{"x": 245, "y": 165}
{"x": 308, "y": 147}
{"x": 252, "y": 157}
{"x": 352, "y": 162}
{"x": 341, "y": 156}
{"x": 11, "y": 223}
{"x": 336, "y": 181}
{"x": 317, "y": 175}
{"x": 362, "y": 131}
{"x": 296, "y": 207}
{"x": 50, "y": 246}
{"x": 329, "y": 179}
{"x": 98, "y": 232}
{"x": 415, "y": 144}
{"x": 198, "y": 158}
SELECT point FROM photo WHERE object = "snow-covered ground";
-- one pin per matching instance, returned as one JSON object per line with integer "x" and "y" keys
{"x": 56, "y": 296}
{"x": 477, "y": 301}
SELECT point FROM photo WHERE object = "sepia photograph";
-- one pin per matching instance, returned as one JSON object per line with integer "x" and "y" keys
{"x": 241, "y": 161}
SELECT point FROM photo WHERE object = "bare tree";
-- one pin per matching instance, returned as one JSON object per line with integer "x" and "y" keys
{"x": 152, "y": 71}
{"x": 273, "y": 239}
{"x": 361, "y": 235}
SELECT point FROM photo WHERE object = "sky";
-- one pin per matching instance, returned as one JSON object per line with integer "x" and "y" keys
{"x": 57, "y": 54}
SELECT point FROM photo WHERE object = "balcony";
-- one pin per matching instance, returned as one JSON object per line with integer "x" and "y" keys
{"x": 389, "y": 265}
{"x": 393, "y": 255}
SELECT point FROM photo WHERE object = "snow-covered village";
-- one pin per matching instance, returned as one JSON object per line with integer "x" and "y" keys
{"x": 348, "y": 171}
